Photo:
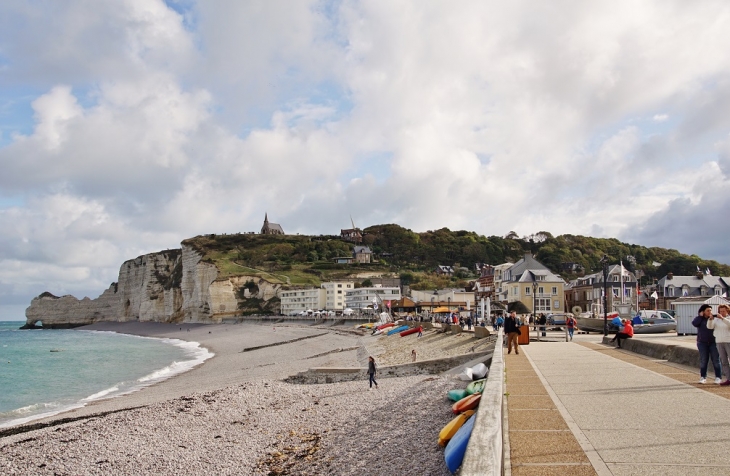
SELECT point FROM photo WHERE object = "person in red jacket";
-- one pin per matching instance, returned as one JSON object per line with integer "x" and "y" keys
{"x": 626, "y": 333}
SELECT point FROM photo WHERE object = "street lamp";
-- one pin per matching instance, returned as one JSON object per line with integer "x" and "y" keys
{"x": 604, "y": 263}
{"x": 534, "y": 299}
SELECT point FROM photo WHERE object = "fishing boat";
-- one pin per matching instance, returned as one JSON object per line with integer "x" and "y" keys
{"x": 448, "y": 431}
{"x": 479, "y": 371}
{"x": 654, "y": 325}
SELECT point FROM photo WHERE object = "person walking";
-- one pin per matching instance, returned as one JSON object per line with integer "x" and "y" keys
{"x": 543, "y": 323}
{"x": 570, "y": 322}
{"x": 372, "y": 370}
{"x": 721, "y": 330}
{"x": 511, "y": 328}
{"x": 706, "y": 344}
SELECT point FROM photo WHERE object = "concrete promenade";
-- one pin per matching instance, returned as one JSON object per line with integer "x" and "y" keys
{"x": 580, "y": 408}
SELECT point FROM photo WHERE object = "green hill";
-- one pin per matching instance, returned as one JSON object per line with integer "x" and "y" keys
{"x": 307, "y": 260}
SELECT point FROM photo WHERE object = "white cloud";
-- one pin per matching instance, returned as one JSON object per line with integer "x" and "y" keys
{"x": 150, "y": 126}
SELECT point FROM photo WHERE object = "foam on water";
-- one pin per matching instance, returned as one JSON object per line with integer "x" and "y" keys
{"x": 82, "y": 350}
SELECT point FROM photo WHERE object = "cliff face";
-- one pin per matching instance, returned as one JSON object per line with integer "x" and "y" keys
{"x": 169, "y": 286}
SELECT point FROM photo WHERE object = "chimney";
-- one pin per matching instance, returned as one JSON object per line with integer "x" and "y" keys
{"x": 670, "y": 276}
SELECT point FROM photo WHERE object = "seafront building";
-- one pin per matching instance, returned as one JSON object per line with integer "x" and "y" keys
{"x": 534, "y": 285}
{"x": 335, "y": 294}
{"x": 362, "y": 298}
{"x": 302, "y": 300}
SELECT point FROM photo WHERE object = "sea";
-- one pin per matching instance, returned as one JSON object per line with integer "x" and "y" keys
{"x": 45, "y": 372}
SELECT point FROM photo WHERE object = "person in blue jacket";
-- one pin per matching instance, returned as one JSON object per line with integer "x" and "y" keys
{"x": 706, "y": 344}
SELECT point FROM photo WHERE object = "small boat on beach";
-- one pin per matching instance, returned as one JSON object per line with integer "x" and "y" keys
{"x": 456, "y": 448}
{"x": 411, "y": 331}
{"x": 386, "y": 325}
{"x": 457, "y": 394}
{"x": 397, "y": 330}
{"x": 467, "y": 403}
{"x": 476, "y": 386}
{"x": 453, "y": 426}
{"x": 467, "y": 375}
{"x": 479, "y": 371}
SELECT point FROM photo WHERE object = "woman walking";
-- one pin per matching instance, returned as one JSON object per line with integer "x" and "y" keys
{"x": 372, "y": 369}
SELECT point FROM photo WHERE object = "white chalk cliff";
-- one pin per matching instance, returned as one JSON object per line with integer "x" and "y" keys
{"x": 168, "y": 286}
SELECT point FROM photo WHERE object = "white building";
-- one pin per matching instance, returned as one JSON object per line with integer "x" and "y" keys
{"x": 362, "y": 298}
{"x": 295, "y": 301}
{"x": 335, "y": 294}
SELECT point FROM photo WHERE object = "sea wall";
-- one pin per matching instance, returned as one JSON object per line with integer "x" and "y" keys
{"x": 168, "y": 286}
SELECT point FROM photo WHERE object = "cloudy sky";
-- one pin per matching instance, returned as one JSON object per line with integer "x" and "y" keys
{"x": 129, "y": 125}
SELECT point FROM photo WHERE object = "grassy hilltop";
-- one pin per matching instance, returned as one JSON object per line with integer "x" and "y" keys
{"x": 299, "y": 260}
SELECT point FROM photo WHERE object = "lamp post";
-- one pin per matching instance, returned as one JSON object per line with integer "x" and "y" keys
{"x": 534, "y": 299}
{"x": 604, "y": 263}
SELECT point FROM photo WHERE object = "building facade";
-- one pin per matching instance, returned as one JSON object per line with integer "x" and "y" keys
{"x": 587, "y": 292}
{"x": 335, "y": 293}
{"x": 533, "y": 284}
{"x": 296, "y": 301}
{"x": 362, "y": 298}
{"x": 671, "y": 287}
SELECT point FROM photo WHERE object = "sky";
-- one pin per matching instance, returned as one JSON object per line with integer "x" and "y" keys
{"x": 127, "y": 126}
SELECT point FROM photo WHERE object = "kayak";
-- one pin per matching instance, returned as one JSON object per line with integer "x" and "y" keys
{"x": 469, "y": 402}
{"x": 364, "y": 326}
{"x": 476, "y": 386}
{"x": 397, "y": 330}
{"x": 411, "y": 331}
{"x": 455, "y": 450}
{"x": 453, "y": 426}
{"x": 387, "y": 324}
{"x": 466, "y": 375}
{"x": 456, "y": 395}
{"x": 479, "y": 371}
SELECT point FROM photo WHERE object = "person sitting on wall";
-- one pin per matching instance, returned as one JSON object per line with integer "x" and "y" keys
{"x": 626, "y": 333}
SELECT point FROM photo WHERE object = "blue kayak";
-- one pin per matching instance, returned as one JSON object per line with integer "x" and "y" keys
{"x": 456, "y": 448}
{"x": 397, "y": 330}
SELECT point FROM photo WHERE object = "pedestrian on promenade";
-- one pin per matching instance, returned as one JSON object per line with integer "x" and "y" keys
{"x": 499, "y": 322}
{"x": 627, "y": 332}
{"x": 372, "y": 370}
{"x": 706, "y": 344}
{"x": 543, "y": 323}
{"x": 512, "y": 329}
{"x": 570, "y": 322}
{"x": 721, "y": 329}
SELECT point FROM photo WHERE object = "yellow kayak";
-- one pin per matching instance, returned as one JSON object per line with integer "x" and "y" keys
{"x": 365, "y": 326}
{"x": 453, "y": 426}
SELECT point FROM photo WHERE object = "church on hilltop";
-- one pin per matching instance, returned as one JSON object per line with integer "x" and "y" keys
{"x": 271, "y": 228}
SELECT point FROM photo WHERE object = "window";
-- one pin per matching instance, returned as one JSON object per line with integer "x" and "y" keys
{"x": 339, "y": 285}
{"x": 556, "y": 304}
{"x": 615, "y": 292}
{"x": 615, "y": 278}
{"x": 555, "y": 290}
{"x": 527, "y": 290}
{"x": 541, "y": 290}
{"x": 670, "y": 291}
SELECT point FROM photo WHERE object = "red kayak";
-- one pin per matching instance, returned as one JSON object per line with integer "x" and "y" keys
{"x": 411, "y": 331}
{"x": 467, "y": 403}
{"x": 385, "y": 326}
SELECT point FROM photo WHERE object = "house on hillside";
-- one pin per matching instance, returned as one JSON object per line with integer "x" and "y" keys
{"x": 353, "y": 235}
{"x": 271, "y": 228}
{"x": 445, "y": 270}
{"x": 362, "y": 254}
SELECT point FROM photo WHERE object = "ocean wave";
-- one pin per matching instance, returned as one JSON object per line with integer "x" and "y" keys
{"x": 101, "y": 394}
{"x": 29, "y": 413}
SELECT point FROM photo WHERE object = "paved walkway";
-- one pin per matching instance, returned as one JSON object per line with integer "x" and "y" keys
{"x": 584, "y": 408}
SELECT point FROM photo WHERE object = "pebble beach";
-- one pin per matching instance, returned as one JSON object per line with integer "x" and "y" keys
{"x": 234, "y": 414}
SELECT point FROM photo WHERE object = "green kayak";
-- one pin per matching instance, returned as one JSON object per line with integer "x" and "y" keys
{"x": 456, "y": 395}
{"x": 477, "y": 386}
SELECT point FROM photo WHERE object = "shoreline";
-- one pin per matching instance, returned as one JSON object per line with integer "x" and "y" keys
{"x": 235, "y": 415}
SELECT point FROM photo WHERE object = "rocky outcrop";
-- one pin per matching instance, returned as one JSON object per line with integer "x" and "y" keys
{"x": 169, "y": 286}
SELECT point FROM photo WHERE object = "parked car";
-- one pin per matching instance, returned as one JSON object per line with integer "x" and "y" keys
{"x": 557, "y": 318}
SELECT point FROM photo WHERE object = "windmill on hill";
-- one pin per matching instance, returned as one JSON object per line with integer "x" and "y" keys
{"x": 353, "y": 235}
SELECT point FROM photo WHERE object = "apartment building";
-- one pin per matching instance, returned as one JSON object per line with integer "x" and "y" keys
{"x": 335, "y": 294}
{"x": 295, "y": 301}
{"x": 362, "y": 298}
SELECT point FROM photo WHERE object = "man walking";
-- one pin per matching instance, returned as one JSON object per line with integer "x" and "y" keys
{"x": 512, "y": 330}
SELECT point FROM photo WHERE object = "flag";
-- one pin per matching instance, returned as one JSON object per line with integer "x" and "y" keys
{"x": 654, "y": 295}
{"x": 375, "y": 303}
{"x": 698, "y": 269}
{"x": 707, "y": 272}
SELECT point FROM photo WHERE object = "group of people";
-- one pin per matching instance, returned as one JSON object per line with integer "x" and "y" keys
{"x": 713, "y": 342}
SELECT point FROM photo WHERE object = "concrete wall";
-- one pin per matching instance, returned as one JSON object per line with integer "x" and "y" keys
{"x": 673, "y": 353}
{"x": 423, "y": 367}
{"x": 484, "y": 454}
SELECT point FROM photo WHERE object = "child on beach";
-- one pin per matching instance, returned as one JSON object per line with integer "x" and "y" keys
{"x": 413, "y": 355}
{"x": 372, "y": 369}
